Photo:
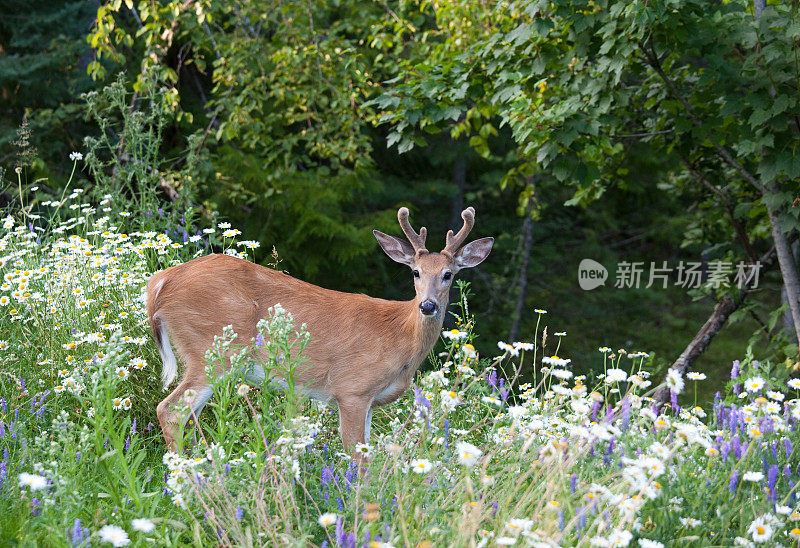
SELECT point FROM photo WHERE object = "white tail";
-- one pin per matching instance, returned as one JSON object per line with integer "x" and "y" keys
{"x": 170, "y": 369}
{"x": 363, "y": 351}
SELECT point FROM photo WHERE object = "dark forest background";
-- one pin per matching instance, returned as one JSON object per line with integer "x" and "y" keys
{"x": 613, "y": 130}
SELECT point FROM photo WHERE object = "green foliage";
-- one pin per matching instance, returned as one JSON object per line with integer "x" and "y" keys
{"x": 42, "y": 73}
{"x": 127, "y": 163}
{"x": 702, "y": 94}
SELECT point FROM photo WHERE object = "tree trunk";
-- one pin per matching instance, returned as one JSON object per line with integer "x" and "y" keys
{"x": 788, "y": 322}
{"x": 783, "y": 250}
{"x": 695, "y": 349}
{"x": 725, "y": 307}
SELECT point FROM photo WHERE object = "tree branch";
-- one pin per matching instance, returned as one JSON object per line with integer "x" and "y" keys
{"x": 652, "y": 59}
{"x": 728, "y": 203}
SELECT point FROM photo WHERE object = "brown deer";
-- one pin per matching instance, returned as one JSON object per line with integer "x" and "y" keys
{"x": 363, "y": 351}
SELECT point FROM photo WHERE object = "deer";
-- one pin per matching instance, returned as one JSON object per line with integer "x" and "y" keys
{"x": 363, "y": 352}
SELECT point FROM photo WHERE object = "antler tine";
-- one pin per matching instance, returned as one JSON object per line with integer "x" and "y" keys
{"x": 454, "y": 242}
{"x": 417, "y": 240}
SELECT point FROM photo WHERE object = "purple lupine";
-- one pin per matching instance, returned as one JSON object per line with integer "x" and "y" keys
{"x": 787, "y": 446}
{"x": 239, "y": 512}
{"x": 420, "y": 399}
{"x": 491, "y": 378}
{"x": 595, "y": 409}
{"x": 581, "y": 512}
{"x": 350, "y": 475}
{"x": 77, "y": 533}
{"x": 724, "y": 450}
{"x": 127, "y": 444}
{"x": 787, "y": 472}
{"x": 503, "y": 390}
{"x": 737, "y": 447}
{"x": 133, "y": 427}
{"x": 625, "y": 413}
{"x": 77, "y": 456}
{"x": 561, "y": 519}
{"x": 733, "y": 419}
{"x": 609, "y": 414}
{"x": 673, "y": 397}
{"x": 3, "y": 474}
{"x": 35, "y": 506}
{"x": 774, "y": 448}
{"x": 2, "y": 429}
{"x": 326, "y": 475}
{"x": 573, "y": 482}
{"x": 341, "y": 536}
{"x": 733, "y": 481}
{"x": 259, "y": 340}
{"x": 735, "y": 370}
{"x": 772, "y": 479}
{"x": 494, "y": 508}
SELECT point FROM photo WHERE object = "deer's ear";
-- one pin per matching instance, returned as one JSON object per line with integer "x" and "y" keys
{"x": 398, "y": 250}
{"x": 474, "y": 253}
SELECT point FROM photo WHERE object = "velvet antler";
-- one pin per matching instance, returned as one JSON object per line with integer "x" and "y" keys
{"x": 416, "y": 240}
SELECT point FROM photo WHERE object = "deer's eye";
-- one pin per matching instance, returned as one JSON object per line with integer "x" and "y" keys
{"x": 447, "y": 275}
{"x": 416, "y": 273}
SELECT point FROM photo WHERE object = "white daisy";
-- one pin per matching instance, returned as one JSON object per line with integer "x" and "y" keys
{"x": 114, "y": 535}
{"x": 421, "y": 466}
{"x": 468, "y": 454}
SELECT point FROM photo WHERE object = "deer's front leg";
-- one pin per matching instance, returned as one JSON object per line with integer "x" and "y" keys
{"x": 353, "y": 416}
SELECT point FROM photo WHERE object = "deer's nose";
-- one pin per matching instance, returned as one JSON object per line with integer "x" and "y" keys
{"x": 428, "y": 307}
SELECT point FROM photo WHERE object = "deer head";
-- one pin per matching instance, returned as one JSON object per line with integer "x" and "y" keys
{"x": 433, "y": 272}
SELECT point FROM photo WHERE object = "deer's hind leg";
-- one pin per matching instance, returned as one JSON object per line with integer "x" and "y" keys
{"x": 184, "y": 403}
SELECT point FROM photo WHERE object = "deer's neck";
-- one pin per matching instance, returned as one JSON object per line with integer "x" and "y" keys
{"x": 425, "y": 331}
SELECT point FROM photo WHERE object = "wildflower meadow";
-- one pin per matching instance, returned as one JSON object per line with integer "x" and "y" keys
{"x": 474, "y": 454}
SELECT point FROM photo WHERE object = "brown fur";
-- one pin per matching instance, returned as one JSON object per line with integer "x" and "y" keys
{"x": 363, "y": 351}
